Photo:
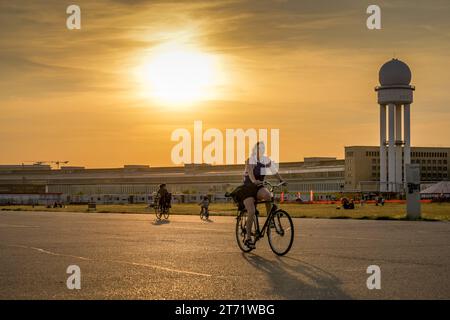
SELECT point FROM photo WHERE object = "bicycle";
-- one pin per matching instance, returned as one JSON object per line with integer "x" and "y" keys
{"x": 278, "y": 225}
{"x": 204, "y": 213}
{"x": 161, "y": 209}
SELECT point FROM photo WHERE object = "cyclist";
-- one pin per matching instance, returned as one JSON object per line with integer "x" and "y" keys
{"x": 162, "y": 195}
{"x": 256, "y": 167}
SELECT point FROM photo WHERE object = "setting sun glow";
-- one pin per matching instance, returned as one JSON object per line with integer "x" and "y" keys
{"x": 178, "y": 75}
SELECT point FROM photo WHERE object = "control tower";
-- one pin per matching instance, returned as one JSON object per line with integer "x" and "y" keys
{"x": 395, "y": 95}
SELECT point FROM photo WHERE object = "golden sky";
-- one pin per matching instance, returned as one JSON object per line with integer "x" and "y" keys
{"x": 307, "y": 68}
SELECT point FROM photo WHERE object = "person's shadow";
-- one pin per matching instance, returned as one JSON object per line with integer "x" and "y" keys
{"x": 291, "y": 278}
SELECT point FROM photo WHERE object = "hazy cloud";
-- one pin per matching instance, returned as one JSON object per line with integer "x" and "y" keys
{"x": 311, "y": 65}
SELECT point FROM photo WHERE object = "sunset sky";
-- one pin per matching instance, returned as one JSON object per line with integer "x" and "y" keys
{"x": 94, "y": 96}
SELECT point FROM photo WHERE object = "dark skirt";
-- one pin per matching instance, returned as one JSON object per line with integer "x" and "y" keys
{"x": 248, "y": 190}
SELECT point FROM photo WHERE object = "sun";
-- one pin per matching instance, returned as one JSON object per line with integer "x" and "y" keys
{"x": 180, "y": 75}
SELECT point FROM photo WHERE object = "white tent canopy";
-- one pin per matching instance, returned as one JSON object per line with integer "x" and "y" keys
{"x": 442, "y": 187}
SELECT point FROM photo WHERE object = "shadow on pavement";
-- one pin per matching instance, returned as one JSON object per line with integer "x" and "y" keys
{"x": 160, "y": 222}
{"x": 292, "y": 278}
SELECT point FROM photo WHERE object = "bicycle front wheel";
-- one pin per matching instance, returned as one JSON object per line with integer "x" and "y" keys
{"x": 280, "y": 232}
{"x": 158, "y": 212}
{"x": 166, "y": 213}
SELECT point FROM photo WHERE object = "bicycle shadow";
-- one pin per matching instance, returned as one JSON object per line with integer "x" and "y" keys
{"x": 157, "y": 222}
{"x": 297, "y": 279}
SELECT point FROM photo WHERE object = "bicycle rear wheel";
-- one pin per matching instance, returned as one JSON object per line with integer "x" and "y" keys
{"x": 280, "y": 232}
{"x": 241, "y": 231}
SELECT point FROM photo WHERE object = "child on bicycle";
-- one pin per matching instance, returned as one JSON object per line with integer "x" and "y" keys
{"x": 204, "y": 203}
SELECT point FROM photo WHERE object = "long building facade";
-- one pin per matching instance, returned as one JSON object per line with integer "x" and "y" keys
{"x": 324, "y": 178}
{"x": 136, "y": 184}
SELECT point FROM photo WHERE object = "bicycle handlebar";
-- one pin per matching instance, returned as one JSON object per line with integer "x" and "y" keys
{"x": 274, "y": 186}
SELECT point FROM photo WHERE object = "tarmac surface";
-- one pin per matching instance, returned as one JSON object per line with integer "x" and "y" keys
{"x": 132, "y": 256}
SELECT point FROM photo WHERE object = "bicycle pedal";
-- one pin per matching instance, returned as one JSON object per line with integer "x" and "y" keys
{"x": 250, "y": 244}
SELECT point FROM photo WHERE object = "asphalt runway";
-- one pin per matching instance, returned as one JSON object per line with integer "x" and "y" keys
{"x": 131, "y": 256}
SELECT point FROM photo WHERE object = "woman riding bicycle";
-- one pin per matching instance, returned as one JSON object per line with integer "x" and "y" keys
{"x": 256, "y": 168}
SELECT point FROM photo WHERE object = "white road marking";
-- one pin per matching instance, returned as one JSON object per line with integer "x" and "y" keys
{"x": 339, "y": 237}
{"x": 114, "y": 261}
{"x": 162, "y": 268}
{"x": 201, "y": 229}
{"x": 49, "y": 252}
{"x": 5, "y": 225}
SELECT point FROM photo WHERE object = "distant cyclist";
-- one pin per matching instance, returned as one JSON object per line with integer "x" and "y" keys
{"x": 162, "y": 195}
{"x": 256, "y": 167}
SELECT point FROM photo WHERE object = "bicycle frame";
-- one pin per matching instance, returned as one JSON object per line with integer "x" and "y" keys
{"x": 163, "y": 208}
{"x": 260, "y": 232}
{"x": 204, "y": 212}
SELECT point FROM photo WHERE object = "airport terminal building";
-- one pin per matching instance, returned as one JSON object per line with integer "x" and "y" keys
{"x": 322, "y": 177}
{"x": 137, "y": 183}
{"x": 362, "y": 167}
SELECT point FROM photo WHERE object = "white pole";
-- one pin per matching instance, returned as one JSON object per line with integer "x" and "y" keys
{"x": 407, "y": 135}
{"x": 383, "y": 169}
{"x": 398, "y": 147}
{"x": 391, "y": 148}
